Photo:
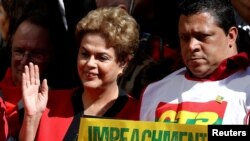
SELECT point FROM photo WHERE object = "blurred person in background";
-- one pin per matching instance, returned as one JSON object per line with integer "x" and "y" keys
{"x": 32, "y": 41}
{"x": 10, "y": 12}
{"x": 158, "y": 53}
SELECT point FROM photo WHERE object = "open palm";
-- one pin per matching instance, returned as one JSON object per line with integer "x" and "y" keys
{"x": 35, "y": 96}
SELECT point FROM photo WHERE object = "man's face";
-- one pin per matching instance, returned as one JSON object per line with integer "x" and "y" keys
{"x": 30, "y": 44}
{"x": 204, "y": 45}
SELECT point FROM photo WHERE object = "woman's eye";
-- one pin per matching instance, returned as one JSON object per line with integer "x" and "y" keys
{"x": 103, "y": 57}
{"x": 84, "y": 53}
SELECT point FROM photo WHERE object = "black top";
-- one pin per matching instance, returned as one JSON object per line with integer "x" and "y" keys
{"x": 72, "y": 133}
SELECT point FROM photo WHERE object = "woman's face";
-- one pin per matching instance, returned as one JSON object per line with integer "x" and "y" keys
{"x": 4, "y": 23}
{"x": 97, "y": 63}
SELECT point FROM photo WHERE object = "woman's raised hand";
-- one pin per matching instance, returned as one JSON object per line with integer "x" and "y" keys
{"x": 35, "y": 96}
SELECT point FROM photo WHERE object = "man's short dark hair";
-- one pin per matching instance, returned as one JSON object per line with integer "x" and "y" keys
{"x": 221, "y": 10}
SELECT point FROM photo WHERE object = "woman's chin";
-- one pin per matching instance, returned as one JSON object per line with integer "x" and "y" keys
{"x": 90, "y": 85}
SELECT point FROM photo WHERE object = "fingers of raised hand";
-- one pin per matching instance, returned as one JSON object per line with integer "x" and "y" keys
{"x": 31, "y": 75}
{"x": 37, "y": 77}
{"x": 26, "y": 76}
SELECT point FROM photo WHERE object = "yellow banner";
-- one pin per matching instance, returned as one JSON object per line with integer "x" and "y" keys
{"x": 97, "y": 129}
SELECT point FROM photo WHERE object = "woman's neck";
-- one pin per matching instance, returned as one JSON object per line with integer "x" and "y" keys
{"x": 97, "y": 101}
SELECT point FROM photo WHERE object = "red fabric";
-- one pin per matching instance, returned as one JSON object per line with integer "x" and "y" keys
{"x": 11, "y": 96}
{"x": 130, "y": 111}
{"x": 57, "y": 117}
{"x": 59, "y": 114}
{"x": 163, "y": 48}
{"x": 3, "y": 122}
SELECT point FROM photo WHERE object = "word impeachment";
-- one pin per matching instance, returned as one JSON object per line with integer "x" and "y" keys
{"x": 97, "y": 133}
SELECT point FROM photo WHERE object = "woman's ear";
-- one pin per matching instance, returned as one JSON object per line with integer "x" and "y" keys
{"x": 124, "y": 64}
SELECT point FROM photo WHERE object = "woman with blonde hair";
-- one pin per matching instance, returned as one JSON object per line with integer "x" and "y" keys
{"x": 107, "y": 38}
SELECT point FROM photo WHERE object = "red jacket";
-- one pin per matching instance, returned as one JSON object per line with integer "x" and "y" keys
{"x": 11, "y": 96}
{"x": 61, "y": 119}
{"x": 3, "y": 122}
